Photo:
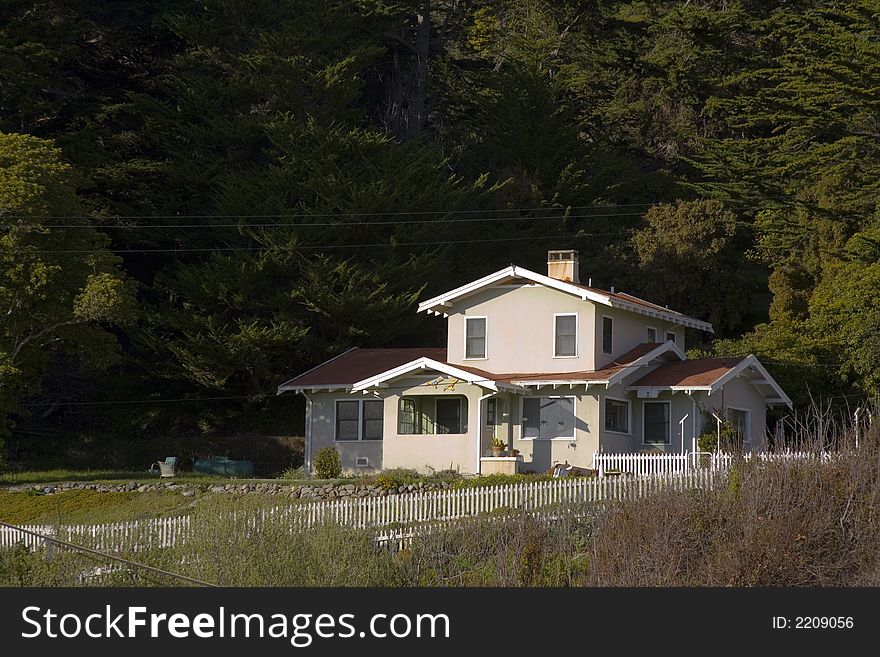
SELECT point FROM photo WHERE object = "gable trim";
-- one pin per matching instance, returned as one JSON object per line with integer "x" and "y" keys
{"x": 439, "y": 305}
{"x": 424, "y": 364}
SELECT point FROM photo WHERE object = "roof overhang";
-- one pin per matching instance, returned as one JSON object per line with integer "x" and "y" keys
{"x": 772, "y": 392}
{"x": 441, "y": 304}
{"x": 291, "y": 386}
{"x": 428, "y": 364}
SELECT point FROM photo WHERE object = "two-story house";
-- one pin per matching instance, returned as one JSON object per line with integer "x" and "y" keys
{"x": 556, "y": 369}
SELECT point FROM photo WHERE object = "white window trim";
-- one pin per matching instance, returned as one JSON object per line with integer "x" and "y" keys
{"x": 668, "y": 426}
{"x": 628, "y": 416}
{"x": 747, "y": 438}
{"x": 485, "y": 355}
{"x": 674, "y": 336}
{"x": 576, "y": 330}
{"x": 602, "y": 335}
{"x": 360, "y": 438}
{"x": 656, "y": 333}
{"x": 462, "y": 416}
{"x": 573, "y": 412}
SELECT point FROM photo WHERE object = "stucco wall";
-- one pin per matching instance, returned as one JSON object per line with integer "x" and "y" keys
{"x": 322, "y": 414}
{"x": 520, "y": 330}
{"x": 432, "y": 451}
{"x": 540, "y": 455}
{"x": 740, "y": 394}
{"x": 629, "y": 331}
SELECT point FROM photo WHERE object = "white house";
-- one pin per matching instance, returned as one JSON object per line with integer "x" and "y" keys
{"x": 554, "y": 369}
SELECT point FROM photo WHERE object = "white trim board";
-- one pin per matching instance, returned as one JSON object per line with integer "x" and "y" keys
{"x": 440, "y": 304}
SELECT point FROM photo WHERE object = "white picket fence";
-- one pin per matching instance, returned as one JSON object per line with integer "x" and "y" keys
{"x": 393, "y": 513}
{"x": 662, "y": 464}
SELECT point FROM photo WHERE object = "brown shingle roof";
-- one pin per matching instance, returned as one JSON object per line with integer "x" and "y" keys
{"x": 597, "y": 375}
{"x": 359, "y": 364}
{"x": 698, "y": 372}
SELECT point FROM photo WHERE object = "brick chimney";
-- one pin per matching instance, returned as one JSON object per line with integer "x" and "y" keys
{"x": 563, "y": 265}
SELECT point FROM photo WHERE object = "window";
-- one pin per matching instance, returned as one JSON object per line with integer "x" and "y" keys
{"x": 406, "y": 416}
{"x": 347, "y": 420}
{"x": 670, "y": 337}
{"x": 427, "y": 415}
{"x": 448, "y": 416}
{"x": 475, "y": 337}
{"x": 652, "y": 334}
{"x": 607, "y": 335}
{"x": 359, "y": 419}
{"x": 739, "y": 422}
{"x": 617, "y": 415}
{"x": 373, "y": 420}
{"x": 565, "y": 336}
{"x": 546, "y": 418}
{"x": 656, "y": 423}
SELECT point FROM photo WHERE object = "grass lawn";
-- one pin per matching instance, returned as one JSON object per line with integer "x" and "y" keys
{"x": 87, "y": 506}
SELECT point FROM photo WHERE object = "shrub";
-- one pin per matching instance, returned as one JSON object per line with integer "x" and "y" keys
{"x": 397, "y": 477}
{"x": 295, "y": 473}
{"x": 327, "y": 465}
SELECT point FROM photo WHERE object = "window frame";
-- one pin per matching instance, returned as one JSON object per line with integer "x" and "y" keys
{"x": 485, "y": 355}
{"x": 602, "y": 335}
{"x": 360, "y": 421}
{"x": 576, "y": 328}
{"x": 574, "y": 402}
{"x": 747, "y": 420}
{"x": 668, "y": 422}
{"x": 648, "y": 339}
{"x": 628, "y": 403}
{"x": 674, "y": 335}
{"x": 463, "y": 408}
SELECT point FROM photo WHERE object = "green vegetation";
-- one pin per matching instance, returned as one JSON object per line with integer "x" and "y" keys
{"x": 197, "y": 202}
{"x": 327, "y": 464}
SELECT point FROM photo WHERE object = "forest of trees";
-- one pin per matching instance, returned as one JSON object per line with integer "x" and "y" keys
{"x": 199, "y": 199}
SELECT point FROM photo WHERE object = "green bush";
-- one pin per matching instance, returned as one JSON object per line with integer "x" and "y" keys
{"x": 327, "y": 465}
{"x": 397, "y": 477}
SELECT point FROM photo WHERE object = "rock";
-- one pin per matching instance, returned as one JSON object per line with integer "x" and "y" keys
{"x": 49, "y": 489}
{"x": 188, "y": 493}
{"x": 143, "y": 489}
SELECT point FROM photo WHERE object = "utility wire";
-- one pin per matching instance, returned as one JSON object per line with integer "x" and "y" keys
{"x": 104, "y": 555}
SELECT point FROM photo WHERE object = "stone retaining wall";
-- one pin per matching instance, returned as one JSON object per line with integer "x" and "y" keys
{"x": 299, "y": 490}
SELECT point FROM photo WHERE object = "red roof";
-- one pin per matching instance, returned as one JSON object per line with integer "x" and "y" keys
{"x": 698, "y": 373}
{"x": 359, "y": 364}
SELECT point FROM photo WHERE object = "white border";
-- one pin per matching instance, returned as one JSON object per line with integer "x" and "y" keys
{"x": 747, "y": 438}
{"x": 602, "y": 336}
{"x": 360, "y": 421}
{"x": 576, "y": 334}
{"x": 485, "y": 355}
{"x": 629, "y": 409}
{"x": 668, "y": 426}
{"x": 574, "y": 402}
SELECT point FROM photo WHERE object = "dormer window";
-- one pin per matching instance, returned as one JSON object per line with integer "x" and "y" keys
{"x": 565, "y": 336}
{"x": 475, "y": 337}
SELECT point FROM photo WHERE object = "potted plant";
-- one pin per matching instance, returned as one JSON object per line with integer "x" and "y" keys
{"x": 498, "y": 446}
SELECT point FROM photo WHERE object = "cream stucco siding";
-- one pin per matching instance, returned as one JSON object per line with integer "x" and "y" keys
{"x": 740, "y": 394}
{"x": 540, "y": 455}
{"x": 520, "y": 329}
{"x": 433, "y": 451}
{"x": 629, "y": 330}
{"x": 322, "y": 416}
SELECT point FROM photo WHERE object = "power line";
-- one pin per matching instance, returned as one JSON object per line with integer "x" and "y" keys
{"x": 104, "y": 555}
{"x": 145, "y": 401}
{"x": 318, "y": 246}
{"x": 342, "y": 224}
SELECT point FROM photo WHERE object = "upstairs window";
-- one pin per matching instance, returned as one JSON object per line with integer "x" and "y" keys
{"x": 475, "y": 337}
{"x": 565, "y": 336}
{"x": 607, "y": 335}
